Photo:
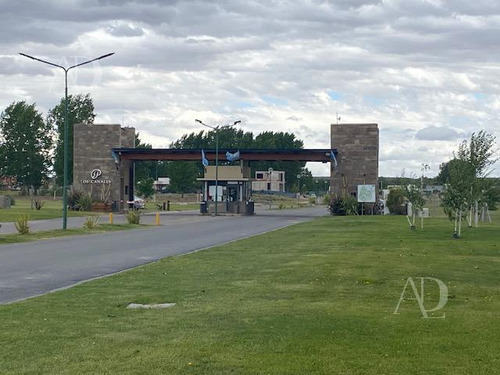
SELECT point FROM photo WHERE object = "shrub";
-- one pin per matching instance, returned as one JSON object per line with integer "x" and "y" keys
{"x": 22, "y": 224}
{"x": 336, "y": 207}
{"x": 91, "y": 222}
{"x": 134, "y": 217}
{"x": 312, "y": 200}
{"x": 84, "y": 203}
{"x": 395, "y": 202}
{"x": 342, "y": 207}
{"x": 73, "y": 199}
{"x": 37, "y": 204}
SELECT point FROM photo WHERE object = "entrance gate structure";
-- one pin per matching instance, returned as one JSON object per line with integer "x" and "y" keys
{"x": 104, "y": 156}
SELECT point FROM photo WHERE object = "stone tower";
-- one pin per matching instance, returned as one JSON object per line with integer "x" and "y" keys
{"x": 95, "y": 171}
{"x": 357, "y": 159}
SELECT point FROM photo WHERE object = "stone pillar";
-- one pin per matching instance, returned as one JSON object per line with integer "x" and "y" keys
{"x": 357, "y": 146}
{"x": 94, "y": 169}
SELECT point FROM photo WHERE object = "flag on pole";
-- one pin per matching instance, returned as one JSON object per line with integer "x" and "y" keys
{"x": 332, "y": 155}
{"x": 233, "y": 157}
{"x": 204, "y": 160}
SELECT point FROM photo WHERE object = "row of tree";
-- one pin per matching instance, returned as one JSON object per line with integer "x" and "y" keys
{"x": 31, "y": 146}
{"x": 32, "y": 150}
{"x": 468, "y": 189}
{"x": 468, "y": 193}
{"x": 183, "y": 174}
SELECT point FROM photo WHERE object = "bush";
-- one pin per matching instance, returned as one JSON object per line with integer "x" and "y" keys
{"x": 342, "y": 207}
{"x": 73, "y": 199}
{"x": 22, "y": 224}
{"x": 134, "y": 217}
{"x": 395, "y": 202}
{"x": 37, "y": 204}
{"x": 312, "y": 200}
{"x": 91, "y": 222}
{"x": 84, "y": 203}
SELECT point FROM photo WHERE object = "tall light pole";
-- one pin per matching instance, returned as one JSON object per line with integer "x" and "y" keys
{"x": 216, "y": 129}
{"x": 66, "y": 126}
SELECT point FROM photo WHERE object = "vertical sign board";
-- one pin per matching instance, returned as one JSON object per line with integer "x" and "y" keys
{"x": 366, "y": 194}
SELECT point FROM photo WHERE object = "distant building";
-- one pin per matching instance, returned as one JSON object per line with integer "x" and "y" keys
{"x": 161, "y": 183}
{"x": 269, "y": 181}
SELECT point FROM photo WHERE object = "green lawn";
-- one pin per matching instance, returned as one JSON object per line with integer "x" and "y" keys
{"x": 52, "y": 209}
{"x": 315, "y": 298}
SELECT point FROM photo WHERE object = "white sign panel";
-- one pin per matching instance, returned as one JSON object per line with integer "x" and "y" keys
{"x": 366, "y": 193}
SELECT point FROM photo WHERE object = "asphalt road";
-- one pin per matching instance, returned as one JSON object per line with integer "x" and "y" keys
{"x": 31, "y": 269}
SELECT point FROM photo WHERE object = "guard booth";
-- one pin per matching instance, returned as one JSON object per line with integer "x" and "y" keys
{"x": 234, "y": 189}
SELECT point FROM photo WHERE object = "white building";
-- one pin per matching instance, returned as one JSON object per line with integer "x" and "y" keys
{"x": 161, "y": 183}
{"x": 269, "y": 181}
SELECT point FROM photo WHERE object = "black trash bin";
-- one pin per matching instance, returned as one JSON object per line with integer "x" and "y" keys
{"x": 114, "y": 206}
{"x": 250, "y": 208}
{"x": 203, "y": 207}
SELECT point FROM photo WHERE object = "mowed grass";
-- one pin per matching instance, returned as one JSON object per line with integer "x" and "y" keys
{"x": 52, "y": 209}
{"x": 314, "y": 298}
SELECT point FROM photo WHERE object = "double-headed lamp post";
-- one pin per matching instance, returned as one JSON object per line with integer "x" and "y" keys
{"x": 66, "y": 126}
{"x": 216, "y": 129}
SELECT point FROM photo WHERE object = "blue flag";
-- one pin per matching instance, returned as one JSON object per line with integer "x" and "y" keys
{"x": 204, "y": 160}
{"x": 233, "y": 157}
{"x": 332, "y": 155}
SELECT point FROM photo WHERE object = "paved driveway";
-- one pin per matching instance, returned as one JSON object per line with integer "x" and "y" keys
{"x": 31, "y": 269}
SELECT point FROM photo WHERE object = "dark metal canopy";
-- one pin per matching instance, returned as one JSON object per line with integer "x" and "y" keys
{"x": 135, "y": 154}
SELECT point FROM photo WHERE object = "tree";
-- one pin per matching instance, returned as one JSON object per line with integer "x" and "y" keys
{"x": 479, "y": 152}
{"x": 183, "y": 176}
{"x": 416, "y": 198}
{"x": 457, "y": 194}
{"x": 395, "y": 202}
{"x": 80, "y": 109}
{"x": 145, "y": 187}
{"x": 26, "y": 144}
{"x": 144, "y": 169}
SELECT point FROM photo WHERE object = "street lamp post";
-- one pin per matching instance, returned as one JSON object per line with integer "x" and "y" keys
{"x": 66, "y": 126}
{"x": 216, "y": 129}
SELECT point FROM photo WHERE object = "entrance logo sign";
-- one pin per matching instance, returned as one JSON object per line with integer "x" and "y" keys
{"x": 95, "y": 174}
{"x": 443, "y": 296}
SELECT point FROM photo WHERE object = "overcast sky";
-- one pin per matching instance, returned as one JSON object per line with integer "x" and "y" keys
{"x": 425, "y": 70}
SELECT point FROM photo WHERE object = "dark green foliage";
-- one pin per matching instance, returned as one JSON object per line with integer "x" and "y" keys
{"x": 145, "y": 169}
{"x": 25, "y": 146}
{"x": 344, "y": 206}
{"x": 80, "y": 109}
{"x": 183, "y": 176}
{"x": 145, "y": 188}
{"x": 74, "y": 198}
{"x": 395, "y": 202}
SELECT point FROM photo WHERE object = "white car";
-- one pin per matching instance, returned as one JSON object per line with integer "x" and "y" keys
{"x": 139, "y": 203}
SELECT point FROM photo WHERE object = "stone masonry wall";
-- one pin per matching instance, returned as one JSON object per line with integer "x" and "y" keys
{"x": 91, "y": 152}
{"x": 357, "y": 158}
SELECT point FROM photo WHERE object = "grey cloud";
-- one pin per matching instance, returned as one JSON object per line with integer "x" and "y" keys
{"x": 435, "y": 133}
{"x": 125, "y": 30}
